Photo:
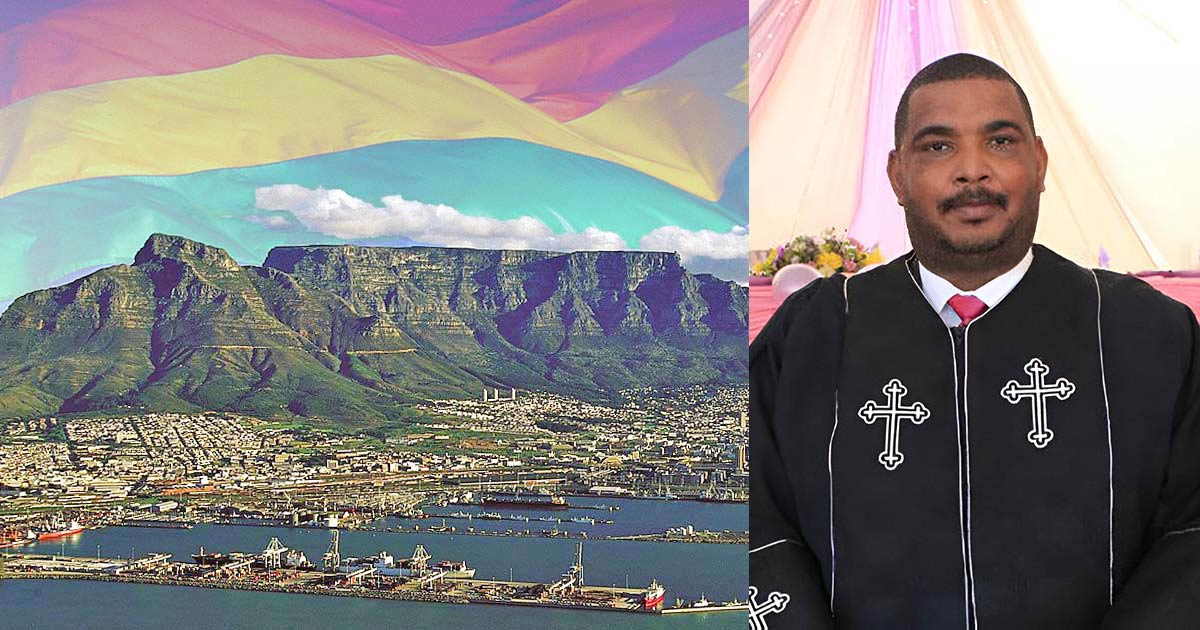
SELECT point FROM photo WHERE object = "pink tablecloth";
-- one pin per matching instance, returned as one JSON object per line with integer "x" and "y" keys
{"x": 1186, "y": 290}
{"x": 762, "y": 306}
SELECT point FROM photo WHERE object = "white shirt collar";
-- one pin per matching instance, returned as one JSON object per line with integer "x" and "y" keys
{"x": 938, "y": 290}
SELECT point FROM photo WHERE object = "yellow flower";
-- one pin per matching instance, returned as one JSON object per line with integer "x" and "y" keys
{"x": 830, "y": 260}
{"x": 874, "y": 257}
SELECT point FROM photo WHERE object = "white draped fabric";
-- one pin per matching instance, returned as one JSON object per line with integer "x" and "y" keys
{"x": 1114, "y": 90}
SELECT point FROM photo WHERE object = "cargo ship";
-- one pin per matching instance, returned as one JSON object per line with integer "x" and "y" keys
{"x": 58, "y": 530}
{"x": 211, "y": 559}
{"x": 654, "y": 596}
{"x": 416, "y": 566}
{"x": 455, "y": 569}
{"x": 537, "y": 501}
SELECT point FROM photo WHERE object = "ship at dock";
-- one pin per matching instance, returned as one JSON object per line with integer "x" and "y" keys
{"x": 653, "y": 599}
{"x": 211, "y": 559}
{"x": 537, "y": 501}
{"x": 274, "y": 556}
{"x": 418, "y": 565}
{"x": 58, "y": 530}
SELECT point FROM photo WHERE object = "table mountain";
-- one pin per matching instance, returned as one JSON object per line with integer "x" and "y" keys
{"x": 355, "y": 333}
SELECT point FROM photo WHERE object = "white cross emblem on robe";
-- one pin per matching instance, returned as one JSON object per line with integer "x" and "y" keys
{"x": 775, "y": 603}
{"x": 1038, "y": 391}
{"x": 893, "y": 413}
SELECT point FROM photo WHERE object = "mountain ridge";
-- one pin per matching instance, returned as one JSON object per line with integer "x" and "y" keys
{"x": 356, "y": 333}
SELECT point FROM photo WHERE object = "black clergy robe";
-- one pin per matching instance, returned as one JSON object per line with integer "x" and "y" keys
{"x": 1038, "y": 468}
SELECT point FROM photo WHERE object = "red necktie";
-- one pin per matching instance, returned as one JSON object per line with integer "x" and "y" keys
{"x": 968, "y": 307}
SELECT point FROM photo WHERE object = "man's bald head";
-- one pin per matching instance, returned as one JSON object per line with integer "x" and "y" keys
{"x": 954, "y": 68}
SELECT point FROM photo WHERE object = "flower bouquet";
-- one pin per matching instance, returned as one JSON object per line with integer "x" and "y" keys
{"x": 829, "y": 253}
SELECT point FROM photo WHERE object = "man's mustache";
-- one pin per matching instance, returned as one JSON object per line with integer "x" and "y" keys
{"x": 973, "y": 197}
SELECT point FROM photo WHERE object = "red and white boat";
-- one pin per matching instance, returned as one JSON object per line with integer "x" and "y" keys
{"x": 654, "y": 596}
{"x": 60, "y": 530}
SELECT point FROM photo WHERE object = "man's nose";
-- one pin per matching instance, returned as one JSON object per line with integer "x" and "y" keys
{"x": 972, "y": 166}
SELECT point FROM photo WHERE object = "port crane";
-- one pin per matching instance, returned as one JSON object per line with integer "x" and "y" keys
{"x": 332, "y": 557}
{"x": 572, "y": 580}
{"x": 273, "y": 555}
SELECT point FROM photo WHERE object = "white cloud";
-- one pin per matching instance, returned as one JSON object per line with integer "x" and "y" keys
{"x": 340, "y": 214}
{"x": 270, "y": 221}
{"x": 700, "y": 243}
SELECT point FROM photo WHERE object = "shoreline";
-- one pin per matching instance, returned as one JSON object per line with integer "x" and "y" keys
{"x": 406, "y": 596}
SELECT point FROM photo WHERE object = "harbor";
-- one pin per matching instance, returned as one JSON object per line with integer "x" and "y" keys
{"x": 277, "y": 568}
{"x": 513, "y": 519}
{"x": 689, "y": 572}
{"x": 96, "y": 604}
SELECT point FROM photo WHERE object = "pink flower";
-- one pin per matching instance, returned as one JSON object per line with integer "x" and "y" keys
{"x": 848, "y": 264}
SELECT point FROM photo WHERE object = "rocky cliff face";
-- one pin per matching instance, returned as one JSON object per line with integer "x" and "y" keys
{"x": 353, "y": 333}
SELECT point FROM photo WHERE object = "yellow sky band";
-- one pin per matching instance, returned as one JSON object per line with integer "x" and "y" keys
{"x": 274, "y": 108}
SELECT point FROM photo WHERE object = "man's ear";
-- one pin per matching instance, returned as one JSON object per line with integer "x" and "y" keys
{"x": 893, "y": 171}
{"x": 1043, "y": 161}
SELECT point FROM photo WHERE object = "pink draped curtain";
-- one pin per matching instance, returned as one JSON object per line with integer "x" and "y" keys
{"x": 909, "y": 36}
{"x": 769, "y": 34}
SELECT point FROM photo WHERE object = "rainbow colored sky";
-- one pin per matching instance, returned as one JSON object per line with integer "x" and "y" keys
{"x": 595, "y": 124}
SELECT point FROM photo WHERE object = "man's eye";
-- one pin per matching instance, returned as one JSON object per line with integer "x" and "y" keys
{"x": 1002, "y": 141}
{"x": 938, "y": 147}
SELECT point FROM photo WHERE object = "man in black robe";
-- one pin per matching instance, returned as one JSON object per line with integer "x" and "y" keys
{"x": 980, "y": 434}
